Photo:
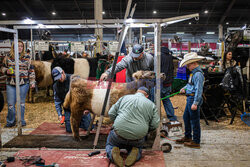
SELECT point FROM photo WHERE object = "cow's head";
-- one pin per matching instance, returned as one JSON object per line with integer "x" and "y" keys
{"x": 147, "y": 78}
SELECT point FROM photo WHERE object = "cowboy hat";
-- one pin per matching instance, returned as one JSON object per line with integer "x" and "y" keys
{"x": 190, "y": 58}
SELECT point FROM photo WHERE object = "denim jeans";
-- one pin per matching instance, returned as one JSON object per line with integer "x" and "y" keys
{"x": 11, "y": 100}
{"x": 85, "y": 121}
{"x": 192, "y": 121}
{"x": 169, "y": 109}
{"x": 115, "y": 141}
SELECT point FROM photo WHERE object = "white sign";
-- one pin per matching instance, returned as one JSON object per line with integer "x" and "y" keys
{"x": 42, "y": 46}
{"x": 77, "y": 47}
{"x": 113, "y": 46}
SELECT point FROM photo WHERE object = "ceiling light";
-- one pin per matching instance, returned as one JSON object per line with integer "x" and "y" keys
{"x": 40, "y": 25}
{"x": 180, "y": 32}
{"x": 154, "y": 12}
{"x": 103, "y": 12}
{"x": 210, "y": 32}
{"x": 3, "y": 14}
{"x": 189, "y": 23}
{"x": 28, "y": 21}
{"x": 53, "y": 13}
{"x": 206, "y": 11}
{"x": 227, "y": 23}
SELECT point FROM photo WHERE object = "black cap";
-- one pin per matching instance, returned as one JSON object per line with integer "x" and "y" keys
{"x": 144, "y": 89}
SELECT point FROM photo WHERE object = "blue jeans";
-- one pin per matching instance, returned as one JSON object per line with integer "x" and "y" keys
{"x": 85, "y": 121}
{"x": 192, "y": 121}
{"x": 115, "y": 141}
{"x": 11, "y": 100}
{"x": 169, "y": 109}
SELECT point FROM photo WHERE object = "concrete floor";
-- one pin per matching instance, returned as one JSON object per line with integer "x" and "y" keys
{"x": 229, "y": 148}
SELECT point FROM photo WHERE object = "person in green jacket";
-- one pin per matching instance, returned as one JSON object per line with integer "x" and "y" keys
{"x": 134, "y": 116}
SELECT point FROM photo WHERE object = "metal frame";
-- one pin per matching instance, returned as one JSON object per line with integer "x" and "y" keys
{"x": 15, "y": 32}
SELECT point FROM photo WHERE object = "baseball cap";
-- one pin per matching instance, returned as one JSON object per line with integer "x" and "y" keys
{"x": 136, "y": 51}
{"x": 57, "y": 73}
{"x": 144, "y": 89}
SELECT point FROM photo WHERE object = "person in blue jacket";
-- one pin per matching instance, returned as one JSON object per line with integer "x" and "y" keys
{"x": 61, "y": 87}
{"x": 193, "y": 90}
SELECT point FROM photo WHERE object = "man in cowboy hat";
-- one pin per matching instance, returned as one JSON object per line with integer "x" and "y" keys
{"x": 193, "y": 90}
{"x": 135, "y": 61}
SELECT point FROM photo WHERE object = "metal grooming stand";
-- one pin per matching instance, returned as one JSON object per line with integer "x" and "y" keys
{"x": 15, "y": 33}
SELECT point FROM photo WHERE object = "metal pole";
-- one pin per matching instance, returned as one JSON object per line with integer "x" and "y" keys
{"x": 18, "y": 107}
{"x": 220, "y": 32}
{"x": 31, "y": 41}
{"x": 157, "y": 68}
{"x": 121, "y": 39}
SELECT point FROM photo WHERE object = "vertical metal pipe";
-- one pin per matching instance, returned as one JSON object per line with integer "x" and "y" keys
{"x": 31, "y": 43}
{"x": 18, "y": 106}
{"x": 157, "y": 69}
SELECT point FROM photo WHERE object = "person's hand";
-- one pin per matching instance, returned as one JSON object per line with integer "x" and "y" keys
{"x": 104, "y": 77}
{"x": 60, "y": 118}
{"x": 32, "y": 85}
{"x": 183, "y": 90}
{"x": 9, "y": 71}
{"x": 194, "y": 107}
{"x": 85, "y": 112}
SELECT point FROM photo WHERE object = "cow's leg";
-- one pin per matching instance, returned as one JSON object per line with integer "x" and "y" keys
{"x": 91, "y": 124}
{"x": 47, "y": 91}
{"x": 75, "y": 120}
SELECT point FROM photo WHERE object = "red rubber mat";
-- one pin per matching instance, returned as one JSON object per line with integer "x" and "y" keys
{"x": 56, "y": 129}
{"x": 72, "y": 158}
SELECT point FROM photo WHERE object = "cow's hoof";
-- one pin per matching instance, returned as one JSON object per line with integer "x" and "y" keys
{"x": 77, "y": 138}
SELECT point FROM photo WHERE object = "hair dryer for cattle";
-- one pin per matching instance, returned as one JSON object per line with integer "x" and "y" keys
{"x": 62, "y": 120}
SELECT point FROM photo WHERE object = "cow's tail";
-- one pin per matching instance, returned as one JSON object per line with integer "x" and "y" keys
{"x": 67, "y": 100}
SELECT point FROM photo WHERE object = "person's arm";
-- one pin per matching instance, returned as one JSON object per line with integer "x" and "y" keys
{"x": 119, "y": 66}
{"x": 114, "y": 109}
{"x": 154, "y": 123}
{"x": 58, "y": 103}
{"x": 4, "y": 68}
{"x": 198, "y": 80}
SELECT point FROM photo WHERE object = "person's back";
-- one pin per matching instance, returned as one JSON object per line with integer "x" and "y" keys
{"x": 134, "y": 117}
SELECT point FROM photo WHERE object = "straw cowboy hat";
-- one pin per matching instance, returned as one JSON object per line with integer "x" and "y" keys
{"x": 190, "y": 58}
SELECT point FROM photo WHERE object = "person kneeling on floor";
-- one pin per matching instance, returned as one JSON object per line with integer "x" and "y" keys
{"x": 193, "y": 90}
{"x": 61, "y": 88}
{"x": 134, "y": 116}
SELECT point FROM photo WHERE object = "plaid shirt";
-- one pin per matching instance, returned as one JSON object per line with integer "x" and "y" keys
{"x": 26, "y": 70}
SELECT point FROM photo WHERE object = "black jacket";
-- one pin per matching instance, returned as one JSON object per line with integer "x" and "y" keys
{"x": 167, "y": 65}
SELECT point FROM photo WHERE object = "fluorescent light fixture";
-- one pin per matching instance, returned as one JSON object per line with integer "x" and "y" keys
{"x": 154, "y": 12}
{"x": 180, "y": 32}
{"x": 130, "y": 20}
{"x": 3, "y": 14}
{"x": 150, "y": 33}
{"x": 40, "y": 25}
{"x": 28, "y": 21}
{"x": 53, "y": 13}
{"x": 189, "y": 23}
{"x": 227, "y": 23}
{"x": 103, "y": 12}
{"x": 210, "y": 32}
{"x": 206, "y": 11}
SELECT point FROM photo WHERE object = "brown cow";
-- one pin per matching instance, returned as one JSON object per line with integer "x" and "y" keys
{"x": 89, "y": 95}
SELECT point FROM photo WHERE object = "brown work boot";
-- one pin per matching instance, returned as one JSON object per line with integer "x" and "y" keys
{"x": 182, "y": 140}
{"x": 192, "y": 144}
{"x": 117, "y": 157}
{"x": 130, "y": 160}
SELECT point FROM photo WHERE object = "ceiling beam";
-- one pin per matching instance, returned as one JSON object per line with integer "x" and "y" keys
{"x": 227, "y": 11}
{"x": 26, "y": 8}
{"x": 44, "y": 7}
